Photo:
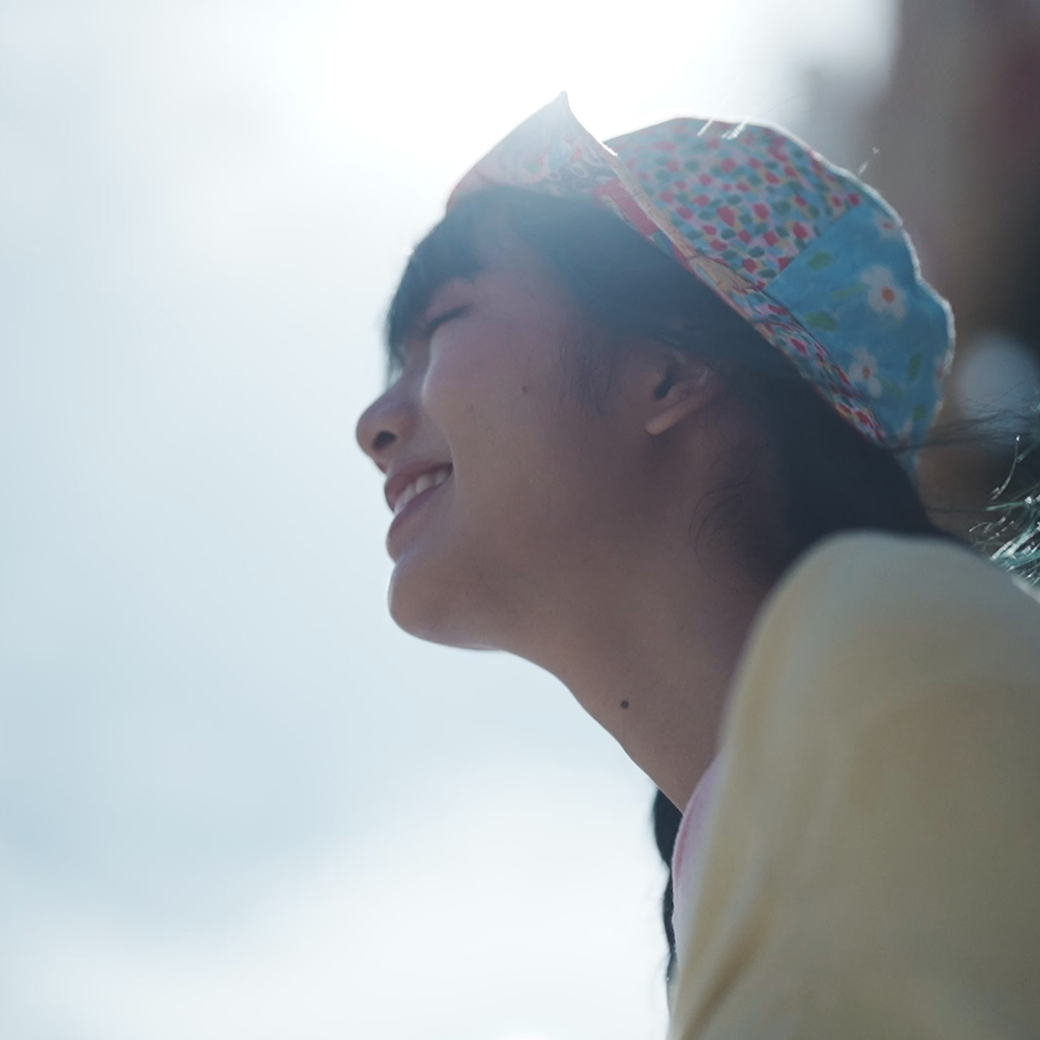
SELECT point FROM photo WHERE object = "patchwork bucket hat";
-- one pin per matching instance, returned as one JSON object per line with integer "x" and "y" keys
{"x": 815, "y": 260}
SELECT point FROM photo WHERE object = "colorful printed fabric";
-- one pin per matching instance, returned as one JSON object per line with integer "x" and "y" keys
{"x": 813, "y": 258}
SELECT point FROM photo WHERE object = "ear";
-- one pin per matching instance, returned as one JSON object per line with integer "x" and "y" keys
{"x": 680, "y": 387}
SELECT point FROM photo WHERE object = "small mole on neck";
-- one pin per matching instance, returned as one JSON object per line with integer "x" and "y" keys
{"x": 624, "y": 704}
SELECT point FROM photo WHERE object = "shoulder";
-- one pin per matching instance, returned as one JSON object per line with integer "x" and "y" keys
{"x": 871, "y": 637}
{"x": 895, "y": 613}
{"x": 895, "y": 581}
{"x": 872, "y": 845}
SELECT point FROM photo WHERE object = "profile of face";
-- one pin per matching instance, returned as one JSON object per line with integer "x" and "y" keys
{"x": 481, "y": 407}
{"x": 511, "y": 488}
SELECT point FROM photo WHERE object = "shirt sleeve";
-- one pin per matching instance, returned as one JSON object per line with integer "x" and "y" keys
{"x": 871, "y": 864}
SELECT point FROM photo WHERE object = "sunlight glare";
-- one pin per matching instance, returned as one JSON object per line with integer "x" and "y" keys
{"x": 466, "y": 69}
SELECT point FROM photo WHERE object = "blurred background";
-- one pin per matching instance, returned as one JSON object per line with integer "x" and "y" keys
{"x": 235, "y": 802}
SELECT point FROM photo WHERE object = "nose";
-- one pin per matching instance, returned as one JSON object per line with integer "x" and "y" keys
{"x": 384, "y": 425}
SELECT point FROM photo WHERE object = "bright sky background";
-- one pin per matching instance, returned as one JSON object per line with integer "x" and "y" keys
{"x": 235, "y": 802}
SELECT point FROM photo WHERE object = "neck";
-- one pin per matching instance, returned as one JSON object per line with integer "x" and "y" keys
{"x": 650, "y": 651}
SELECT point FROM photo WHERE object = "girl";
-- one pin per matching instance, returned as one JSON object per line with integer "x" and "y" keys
{"x": 650, "y": 426}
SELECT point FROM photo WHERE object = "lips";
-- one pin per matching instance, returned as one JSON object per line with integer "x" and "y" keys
{"x": 403, "y": 476}
{"x": 409, "y": 488}
{"x": 429, "y": 479}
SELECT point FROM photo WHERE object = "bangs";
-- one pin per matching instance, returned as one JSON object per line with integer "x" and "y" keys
{"x": 470, "y": 240}
{"x": 451, "y": 250}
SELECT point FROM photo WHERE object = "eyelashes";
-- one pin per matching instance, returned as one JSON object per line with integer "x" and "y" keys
{"x": 436, "y": 322}
{"x": 419, "y": 340}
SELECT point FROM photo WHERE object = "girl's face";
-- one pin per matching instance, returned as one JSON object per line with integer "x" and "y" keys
{"x": 505, "y": 483}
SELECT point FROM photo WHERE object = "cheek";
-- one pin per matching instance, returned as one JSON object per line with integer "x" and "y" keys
{"x": 527, "y": 454}
{"x": 489, "y": 396}
{"x": 456, "y": 376}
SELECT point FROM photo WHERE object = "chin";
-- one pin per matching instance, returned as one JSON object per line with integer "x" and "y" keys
{"x": 427, "y": 606}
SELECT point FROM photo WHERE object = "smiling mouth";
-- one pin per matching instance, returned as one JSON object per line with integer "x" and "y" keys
{"x": 424, "y": 482}
{"x": 412, "y": 500}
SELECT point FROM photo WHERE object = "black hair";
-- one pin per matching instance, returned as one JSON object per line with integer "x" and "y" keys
{"x": 831, "y": 477}
{"x": 666, "y": 819}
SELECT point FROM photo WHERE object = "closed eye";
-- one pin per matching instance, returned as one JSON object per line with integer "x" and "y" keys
{"x": 435, "y": 323}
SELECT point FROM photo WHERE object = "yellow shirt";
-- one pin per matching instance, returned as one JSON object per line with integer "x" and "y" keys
{"x": 871, "y": 858}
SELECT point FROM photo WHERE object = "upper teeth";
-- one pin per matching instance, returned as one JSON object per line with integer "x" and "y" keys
{"x": 421, "y": 483}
